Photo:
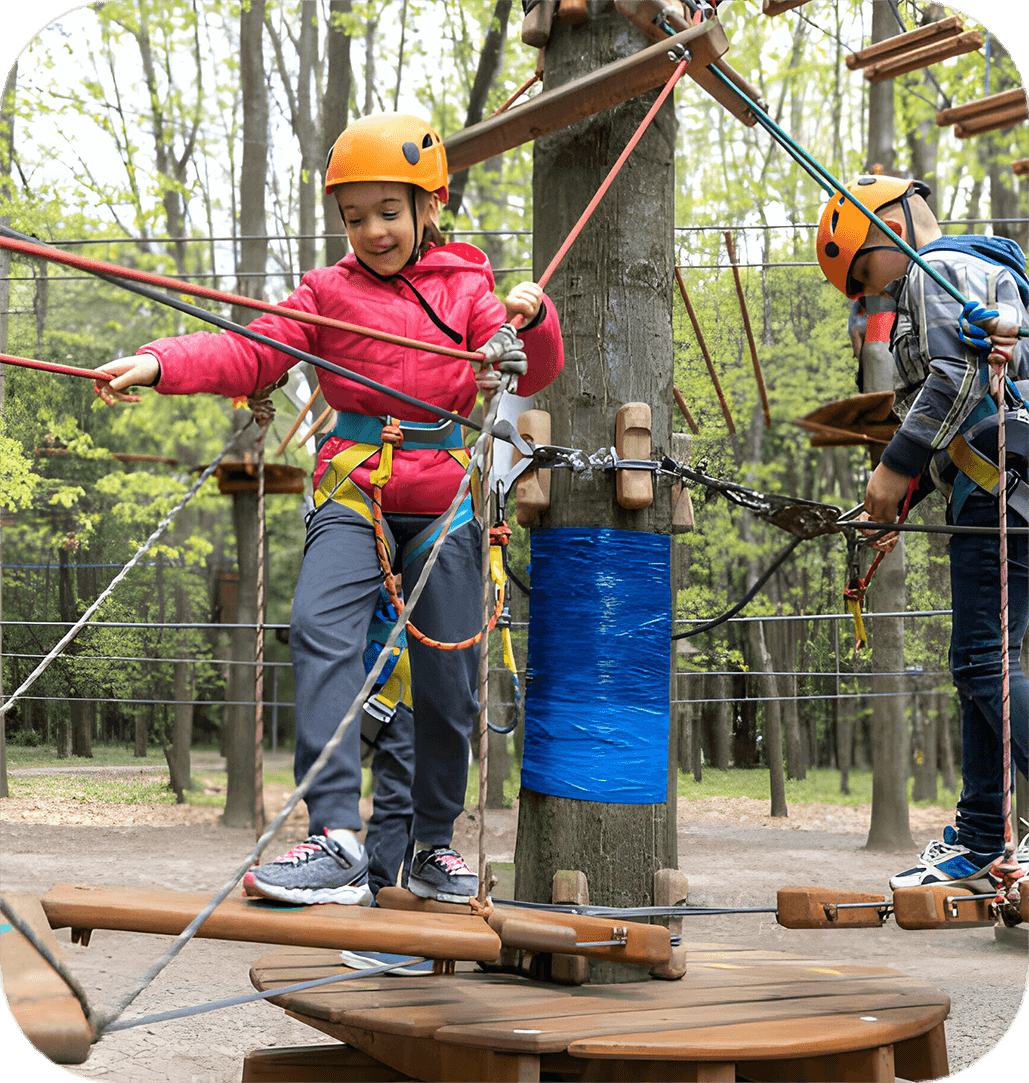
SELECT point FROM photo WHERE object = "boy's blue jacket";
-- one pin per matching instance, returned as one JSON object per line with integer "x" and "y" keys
{"x": 939, "y": 380}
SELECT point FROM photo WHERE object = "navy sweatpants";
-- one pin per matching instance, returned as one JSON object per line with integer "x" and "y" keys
{"x": 333, "y": 605}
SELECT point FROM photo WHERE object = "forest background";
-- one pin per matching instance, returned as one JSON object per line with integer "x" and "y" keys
{"x": 126, "y": 135}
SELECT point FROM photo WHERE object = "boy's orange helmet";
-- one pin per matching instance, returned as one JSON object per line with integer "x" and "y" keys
{"x": 389, "y": 147}
{"x": 843, "y": 229}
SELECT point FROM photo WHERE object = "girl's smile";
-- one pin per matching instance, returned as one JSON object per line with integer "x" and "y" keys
{"x": 379, "y": 223}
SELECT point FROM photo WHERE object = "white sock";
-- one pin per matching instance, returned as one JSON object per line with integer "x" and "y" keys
{"x": 420, "y": 846}
{"x": 348, "y": 840}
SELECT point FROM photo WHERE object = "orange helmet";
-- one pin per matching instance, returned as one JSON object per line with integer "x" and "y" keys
{"x": 389, "y": 147}
{"x": 843, "y": 229}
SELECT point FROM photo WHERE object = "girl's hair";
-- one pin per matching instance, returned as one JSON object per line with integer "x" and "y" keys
{"x": 432, "y": 236}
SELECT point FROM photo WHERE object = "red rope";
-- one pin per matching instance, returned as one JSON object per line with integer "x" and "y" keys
{"x": 680, "y": 70}
{"x": 47, "y": 366}
{"x": 96, "y": 266}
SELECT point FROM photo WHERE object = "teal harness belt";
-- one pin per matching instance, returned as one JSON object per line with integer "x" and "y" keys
{"x": 418, "y": 435}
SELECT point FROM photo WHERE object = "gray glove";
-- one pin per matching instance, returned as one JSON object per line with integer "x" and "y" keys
{"x": 506, "y": 351}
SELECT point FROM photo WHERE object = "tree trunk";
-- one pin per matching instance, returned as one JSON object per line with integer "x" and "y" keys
{"x": 178, "y": 755}
{"x": 142, "y": 722}
{"x": 613, "y": 291}
{"x": 722, "y": 688}
{"x": 924, "y": 746}
{"x": 240, "y": 728}
{"x": 83, "y": 718}
{"x": 253, "y": 247}
{"x": 773, "y": 718}
{"x": 889, "y": 828}
{"x": 335, "y": 110}
{"x": 943, "y": 732}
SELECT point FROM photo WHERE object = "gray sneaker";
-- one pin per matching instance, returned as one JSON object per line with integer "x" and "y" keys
{"x": 442, "y": 874}
{"x": 317, "y": 870}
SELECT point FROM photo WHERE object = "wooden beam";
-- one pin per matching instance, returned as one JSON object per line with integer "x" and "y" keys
{"x": 940, "y": 906}
{"x": 778, "y": 7}
{"x": 905, "y": 43}
{"x": 564, "y": 105}
{"x": 1021, "y": 167}
{"x": 957, "y": 114}
{"x": 646, "y": 14}
{"x": 988, "y": 122}
{"x": 936, "y": 51}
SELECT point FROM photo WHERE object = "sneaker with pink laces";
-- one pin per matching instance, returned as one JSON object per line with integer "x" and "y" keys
{"x": 318, "y": 870}
{"x": 442, "y": 874}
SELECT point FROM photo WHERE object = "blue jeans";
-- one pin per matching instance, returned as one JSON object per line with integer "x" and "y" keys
{"x": 975, "y": 662}
{"x": 335, "y": 599}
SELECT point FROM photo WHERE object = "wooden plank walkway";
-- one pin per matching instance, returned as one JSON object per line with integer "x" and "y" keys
{"x": 738, "y": 1012}
{"x": 357, "y": 928}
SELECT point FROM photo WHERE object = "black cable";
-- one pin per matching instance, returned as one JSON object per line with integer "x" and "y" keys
{"x": 749, "y": 596}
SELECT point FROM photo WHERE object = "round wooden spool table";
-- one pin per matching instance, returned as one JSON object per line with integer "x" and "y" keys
{"x": 751, "y": 1014}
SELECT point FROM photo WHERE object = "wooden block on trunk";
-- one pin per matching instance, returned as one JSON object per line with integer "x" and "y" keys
{"x": 634, "y": 489}
{"x": 819, "y": 908}
{"x": 532, "y": 489}
{"x": 940, "y": 906}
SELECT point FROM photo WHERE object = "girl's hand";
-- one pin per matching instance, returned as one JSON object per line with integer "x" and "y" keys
{"x": 143, "y": 370}
{"x": 486, "y": 378}
{"x": 524, "y": 300}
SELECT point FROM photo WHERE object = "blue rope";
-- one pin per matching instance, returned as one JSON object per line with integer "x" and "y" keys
{"x": 826, "y": 178}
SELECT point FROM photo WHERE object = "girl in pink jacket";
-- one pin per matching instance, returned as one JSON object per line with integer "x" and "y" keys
{"x": 389, "y": 177}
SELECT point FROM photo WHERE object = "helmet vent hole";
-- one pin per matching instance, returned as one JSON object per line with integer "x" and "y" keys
{"x": 832, "y": 249}
{"x": 427, "y": 141}
{"x": 411, "y": 153}
{"x": 834, "y": 221}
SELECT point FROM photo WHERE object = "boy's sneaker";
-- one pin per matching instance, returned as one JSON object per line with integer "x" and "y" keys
{"x": 321, "y": 869}
{"x": 442, "y": 874}
{"x": 942, "y": 862}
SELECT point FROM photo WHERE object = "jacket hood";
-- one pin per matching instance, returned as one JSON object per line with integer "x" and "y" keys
{"x": 1000, "y": 250}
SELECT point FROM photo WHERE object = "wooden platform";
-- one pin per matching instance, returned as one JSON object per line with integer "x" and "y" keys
{"x": 742, "y": 1013}
{"x": 356, "y": 928}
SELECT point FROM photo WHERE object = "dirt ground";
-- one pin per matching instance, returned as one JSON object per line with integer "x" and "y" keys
{"x": 733, "y": 853}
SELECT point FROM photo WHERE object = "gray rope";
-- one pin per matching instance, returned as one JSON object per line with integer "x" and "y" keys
{"x": 249, "y": 998}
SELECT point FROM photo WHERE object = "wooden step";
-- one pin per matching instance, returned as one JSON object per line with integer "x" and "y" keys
{"x": 47, "y": 1011}
{"x": 939, "y": 906}
{"x": 356, "y": 928}
{"x": 825, "y": 908}
{"x": 645, "y": 945}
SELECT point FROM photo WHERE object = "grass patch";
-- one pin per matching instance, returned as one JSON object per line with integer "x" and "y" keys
{"x": 103, "y": 756}
{"x": 821, "y": 786}
{"x": 104, "y": 791}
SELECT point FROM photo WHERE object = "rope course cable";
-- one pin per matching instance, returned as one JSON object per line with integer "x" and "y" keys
{"x": 109, "y": 590}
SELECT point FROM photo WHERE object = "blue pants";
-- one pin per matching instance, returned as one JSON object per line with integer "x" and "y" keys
{"x": 334, "y": 602}
{"x": 975, "y": 662}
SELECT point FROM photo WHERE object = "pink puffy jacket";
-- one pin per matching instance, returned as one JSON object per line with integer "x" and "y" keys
{"x": 455, "y": 281}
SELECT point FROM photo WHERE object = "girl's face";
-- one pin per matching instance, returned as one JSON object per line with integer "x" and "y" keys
{"x": 377, "y": 217}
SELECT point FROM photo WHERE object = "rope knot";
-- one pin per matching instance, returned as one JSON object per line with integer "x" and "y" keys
{"x": 393, "y": 434}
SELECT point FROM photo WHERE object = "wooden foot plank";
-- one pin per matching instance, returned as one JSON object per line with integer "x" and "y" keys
{"x": 47, "y": 1011}
{"x": 356, "y": 928}
{"x": 940, "y": 906}
{"x": 645, "y": 945}
{"x": 580, "y": 98}
{"x": 828, "y": 908}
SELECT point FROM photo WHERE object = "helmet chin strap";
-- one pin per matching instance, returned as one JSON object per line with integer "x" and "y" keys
{"x": 413, "y": 258}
